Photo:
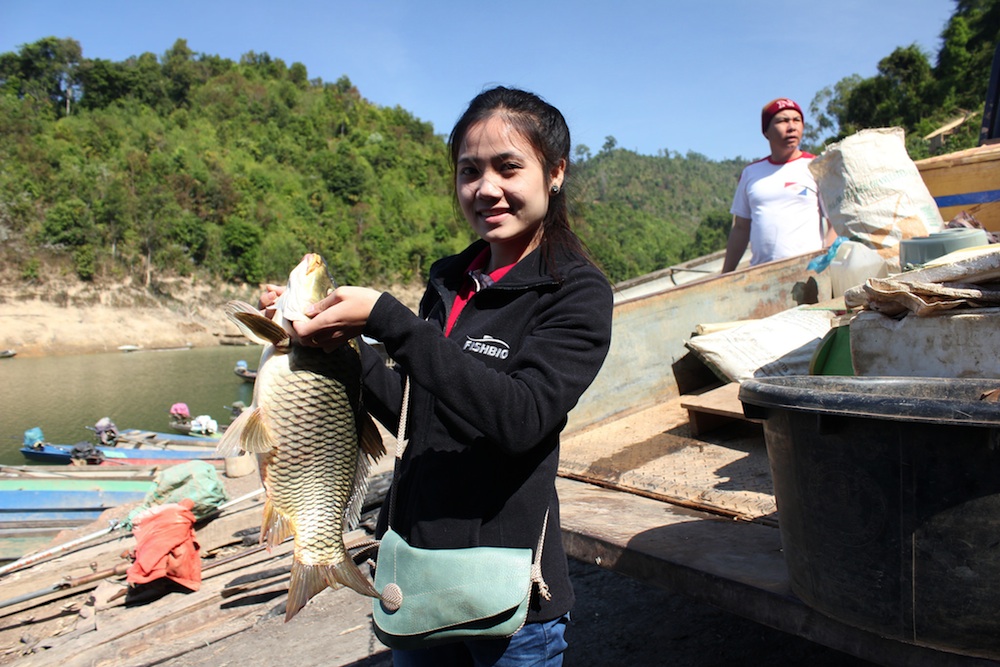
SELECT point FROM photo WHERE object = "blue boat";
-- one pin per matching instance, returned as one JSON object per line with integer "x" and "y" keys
{"x": 66, "y": 502}
{"x": 48, "y": 453}
{"x": 142, "y": 447}
{"x": 37, "y": 503}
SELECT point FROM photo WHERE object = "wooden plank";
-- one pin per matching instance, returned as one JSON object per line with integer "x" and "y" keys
{"x": 735, "y": 566}
{"x": 976, "y": 170}
{"x": 714, "y": 408}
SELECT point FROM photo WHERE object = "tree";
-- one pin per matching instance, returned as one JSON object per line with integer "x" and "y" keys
{"x": 46, "y": 69}
{"x": 179, "y": 69}
{"x": 827, "y": 109}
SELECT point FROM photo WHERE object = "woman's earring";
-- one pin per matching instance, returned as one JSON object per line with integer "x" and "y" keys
{"x": 555, "y": 189}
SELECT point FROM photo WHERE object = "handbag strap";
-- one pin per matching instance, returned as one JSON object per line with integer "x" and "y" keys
{"x": 404, "y": 414}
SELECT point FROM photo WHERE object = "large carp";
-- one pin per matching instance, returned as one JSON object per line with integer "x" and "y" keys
{"x": 314, "y": 440}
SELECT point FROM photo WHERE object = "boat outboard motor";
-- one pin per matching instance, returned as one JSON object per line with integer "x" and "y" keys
{"x": 86, "y": 451}
{"x": 107, "y": 432}
{"x": 236, "y": 409}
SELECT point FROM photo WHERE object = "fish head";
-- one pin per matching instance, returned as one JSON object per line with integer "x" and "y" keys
{"x": 308, "y": 283}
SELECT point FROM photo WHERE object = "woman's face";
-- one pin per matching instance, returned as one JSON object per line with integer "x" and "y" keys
{"x": 503, "y": 188}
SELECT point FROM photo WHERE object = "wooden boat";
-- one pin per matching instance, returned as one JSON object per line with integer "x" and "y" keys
{"x": 246, "y": 374}
{"x": 145, "y": 452}
{"x": 131, "y": 471}
{"x": 56, "y": 501}
{"x": 192, "y": 428}
{"x": 35, "y": 508}
{"x": 135, "y": 437}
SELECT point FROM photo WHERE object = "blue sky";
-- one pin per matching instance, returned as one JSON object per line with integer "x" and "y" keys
{"x": 655, "y": 74}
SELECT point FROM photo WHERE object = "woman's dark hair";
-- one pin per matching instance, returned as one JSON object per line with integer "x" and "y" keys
{"x": 546, "y": 131}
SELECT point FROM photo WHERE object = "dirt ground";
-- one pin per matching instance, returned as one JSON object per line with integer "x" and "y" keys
{"x": 617, "y": 621}
{"x": 62, "y": 317}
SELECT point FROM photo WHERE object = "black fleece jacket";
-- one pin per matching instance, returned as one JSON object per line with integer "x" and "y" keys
{"x": 488, "y": 402}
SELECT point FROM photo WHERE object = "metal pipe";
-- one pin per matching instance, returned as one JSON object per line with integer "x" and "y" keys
{"x": 34, "y": 558}
{"x": 61, "y": 548}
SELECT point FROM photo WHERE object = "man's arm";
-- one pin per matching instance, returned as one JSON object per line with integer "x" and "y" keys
{"x": 739, "y": 238}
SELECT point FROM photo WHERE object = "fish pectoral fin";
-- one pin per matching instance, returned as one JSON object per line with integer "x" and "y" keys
{"x": 232, "y": 437}
{"x": 256, "y": 436}
{"x": 306, "y": 582}
{"x": 346, "y": 573}
{"x": 274, "y": 527}
{"x": 255, "y": 326}
{"x": 370, "y": 438}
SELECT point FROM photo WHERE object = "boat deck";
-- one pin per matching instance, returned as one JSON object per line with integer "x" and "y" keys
{"x": 715, "y": 539}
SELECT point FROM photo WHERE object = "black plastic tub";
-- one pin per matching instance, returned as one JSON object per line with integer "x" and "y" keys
{"x": 888, "y": 494}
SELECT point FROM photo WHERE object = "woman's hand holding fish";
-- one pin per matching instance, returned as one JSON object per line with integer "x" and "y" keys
{"x": 338, "y": 318}
{"x": 268, "y": 298}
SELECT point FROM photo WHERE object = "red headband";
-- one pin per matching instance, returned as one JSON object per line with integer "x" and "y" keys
{"x": 773, "y": 107}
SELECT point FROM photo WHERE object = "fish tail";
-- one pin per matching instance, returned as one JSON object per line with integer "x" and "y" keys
{"x": 346, "y": 573}
{"x": 306, "y": 582}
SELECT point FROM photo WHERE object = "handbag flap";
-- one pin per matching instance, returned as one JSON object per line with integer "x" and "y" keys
{"x": 442, "y": 588}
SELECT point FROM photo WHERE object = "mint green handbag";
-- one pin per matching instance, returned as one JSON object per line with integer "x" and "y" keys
{"x": 435, "y": 596}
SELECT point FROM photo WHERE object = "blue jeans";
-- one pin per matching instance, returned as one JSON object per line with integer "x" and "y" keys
{"x": 534, "y": 645}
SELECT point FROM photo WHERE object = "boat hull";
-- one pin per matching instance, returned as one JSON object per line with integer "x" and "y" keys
{"x": 64, "y": 454}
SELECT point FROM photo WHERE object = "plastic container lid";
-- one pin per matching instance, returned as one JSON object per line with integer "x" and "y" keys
{"x": 922, "y": 249}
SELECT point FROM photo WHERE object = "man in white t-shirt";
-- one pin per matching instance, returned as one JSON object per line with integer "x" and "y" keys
{"x": 776, "y": 209}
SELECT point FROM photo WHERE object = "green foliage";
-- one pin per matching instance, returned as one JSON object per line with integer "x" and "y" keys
{"x": 85, "y": 262}
{"x": 711, "y": 235}
{"x": 640, "y": 213}
{"x": 30, "y": 270}
{"x": 190, "y": 163}
{"x": 909, "y": 92}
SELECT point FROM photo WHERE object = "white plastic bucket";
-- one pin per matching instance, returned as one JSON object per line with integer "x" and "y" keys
{"x": 239, "y": 466}
{"x": 853, "y": 264}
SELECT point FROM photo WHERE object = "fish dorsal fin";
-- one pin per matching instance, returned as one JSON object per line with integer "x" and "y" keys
{"x": 255, "y": 326}
{"x": 371, "y": 448}
{"x": 371, "y": 440}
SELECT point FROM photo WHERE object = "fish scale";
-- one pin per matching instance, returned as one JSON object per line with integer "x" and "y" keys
{"x": 313, "y": 438}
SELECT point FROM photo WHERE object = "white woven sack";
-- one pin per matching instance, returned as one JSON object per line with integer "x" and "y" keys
{"x": 873, "y": 192}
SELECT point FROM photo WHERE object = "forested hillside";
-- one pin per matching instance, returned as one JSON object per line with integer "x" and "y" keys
{"x": 194, "y": 165}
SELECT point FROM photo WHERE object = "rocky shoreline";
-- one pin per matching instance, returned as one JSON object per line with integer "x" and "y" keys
{"x": 55, "y": 320}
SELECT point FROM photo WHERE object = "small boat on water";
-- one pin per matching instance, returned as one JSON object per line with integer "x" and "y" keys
{"x": 7, "y": 354}
{"x": 108, "y": 435}
{"x": 131, "y": 447}
{"x": 182, "y": 422}
{"x": 146, "y": 454}
{"x": 247, "y": 374}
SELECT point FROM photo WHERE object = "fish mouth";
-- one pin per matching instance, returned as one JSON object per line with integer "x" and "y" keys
{"x": 315, "y": 262}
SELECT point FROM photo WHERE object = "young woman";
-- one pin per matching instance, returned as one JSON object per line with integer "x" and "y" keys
{"x": 510, "y": 333}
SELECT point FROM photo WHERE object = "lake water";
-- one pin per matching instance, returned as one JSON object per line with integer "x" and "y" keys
{"x": 64, "y": 395}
